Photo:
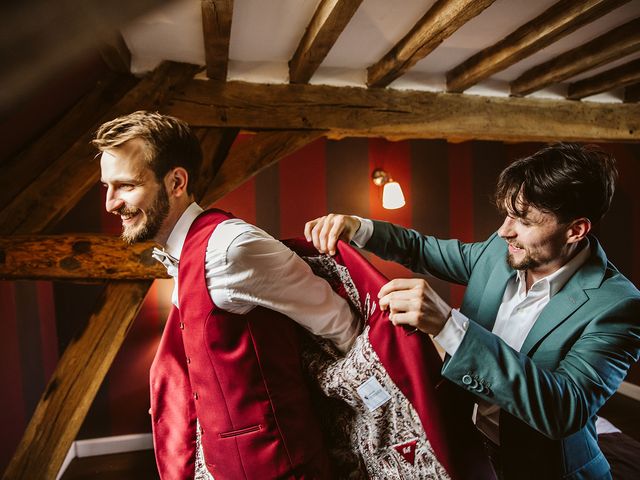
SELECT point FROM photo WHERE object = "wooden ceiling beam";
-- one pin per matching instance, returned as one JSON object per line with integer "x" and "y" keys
{"x": 75, "y": 382}
{"x": 216, "y": 26}
{"x": 632, "y": 93}
{"x": 47, "y": 199}
{"x": 22, "y": 169}
{"x": 216, "y": 143}
{"x": 443, "y": 19}
{"x": 250, "y": 157}
{"x": 621, "y": 76}
{"x": 395, "y": 114}
{"x": 617, "y": 43}
{"x": 329, "y": 20}
{"x": 76, "y": 258}
{"x": 115, "y": 52}
{"x": 556, "y": 22}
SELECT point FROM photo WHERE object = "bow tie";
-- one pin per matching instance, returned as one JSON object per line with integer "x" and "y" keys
{"x": 167, "y": 260}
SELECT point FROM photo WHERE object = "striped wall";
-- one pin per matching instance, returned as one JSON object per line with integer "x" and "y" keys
{"x": 447, "y": 187}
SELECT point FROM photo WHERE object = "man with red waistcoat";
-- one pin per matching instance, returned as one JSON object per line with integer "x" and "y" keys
{"x": 229, "y": 357}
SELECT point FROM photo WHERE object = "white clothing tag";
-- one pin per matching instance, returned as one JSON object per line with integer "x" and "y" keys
{"x": 373, "y": 394}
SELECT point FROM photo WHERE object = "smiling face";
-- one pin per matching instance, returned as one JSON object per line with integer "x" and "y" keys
{"x": 537, "y": 242}
{"x": 133, "y": 192}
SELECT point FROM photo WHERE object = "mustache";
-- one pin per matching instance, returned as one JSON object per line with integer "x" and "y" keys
{"x": 125, "y": 211}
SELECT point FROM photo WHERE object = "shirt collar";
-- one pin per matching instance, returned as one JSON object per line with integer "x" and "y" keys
{"x": 178, "y": 235}
{"x": 556, "y": 280}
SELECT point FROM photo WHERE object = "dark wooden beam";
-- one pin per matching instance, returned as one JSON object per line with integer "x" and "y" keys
{"x": 621, "y": 76}
{"x": 76, "y": 258}
{"x": 556, "y": 22}
{"x": 250, "y": 157}
{"x": 41, "y": 38}
{"x": 632, "y": 93}
{"x": 440, "y": 22}
{"x": 22, "y": 169}
{"x": 328, "y": 22}
{"x": 216, "y": 143}
{"x": 73, "y": 386}
{"x": 615, "y": 44}
{"x": 216, "y": 25}
{"x": 115, "y": 52}
{"x": 394, "y": 114}
{"x": 65, "y": 181}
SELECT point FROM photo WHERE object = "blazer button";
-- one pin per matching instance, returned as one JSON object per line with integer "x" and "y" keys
{"x": 188, "y": 360}
{"x": 181, "y": 325}
{"x": 467, "y": 380}
{"x": 195, "y": 395}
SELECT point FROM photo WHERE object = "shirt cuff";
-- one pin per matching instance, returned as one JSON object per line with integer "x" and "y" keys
{"x": 451, "y": 335}
{"x": 364, "y": 233}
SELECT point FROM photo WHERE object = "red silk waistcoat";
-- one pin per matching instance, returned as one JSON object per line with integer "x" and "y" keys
{"x": 230, "y": 355}
{"x": 240, "y": 376}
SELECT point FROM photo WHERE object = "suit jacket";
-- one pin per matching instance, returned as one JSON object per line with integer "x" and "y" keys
{"x": 574, "y": 358}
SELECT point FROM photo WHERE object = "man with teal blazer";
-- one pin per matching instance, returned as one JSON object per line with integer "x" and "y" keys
{"x": 548, "y": 328}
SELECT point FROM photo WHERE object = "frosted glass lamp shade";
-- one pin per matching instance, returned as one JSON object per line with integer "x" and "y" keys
{"x": 392, "y": 196}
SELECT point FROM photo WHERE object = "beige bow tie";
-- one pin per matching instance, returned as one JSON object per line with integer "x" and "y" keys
{"x": 168, "y": 260}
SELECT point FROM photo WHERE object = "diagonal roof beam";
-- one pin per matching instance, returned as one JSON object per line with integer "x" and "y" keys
{"x": 216, "y": 26}
{"x": 439, "y": 23}
{"x": 248, "y": 158}
{"x": 621, "y": 76}
{"x": 75, "y": 382}
{"x": 23, "y": 168}
{"x": 65, "y": 181}
{"x": 632, "y": 93}
{"x": 328, "y": 22}
{"x": 554, "y": 23}
{"x": 115, "y": 52}
{"x": 615, "y": 44}
{"x": 216, "y": 143}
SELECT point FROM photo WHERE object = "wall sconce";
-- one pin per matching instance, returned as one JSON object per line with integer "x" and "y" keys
{"x": 392, "y": 196}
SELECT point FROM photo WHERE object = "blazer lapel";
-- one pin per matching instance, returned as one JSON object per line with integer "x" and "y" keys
{"x": 571, "y": 297}
{"x": 493, "y": 293}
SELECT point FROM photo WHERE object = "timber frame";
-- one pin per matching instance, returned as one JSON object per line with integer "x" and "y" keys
{"x": 47, "y": 179}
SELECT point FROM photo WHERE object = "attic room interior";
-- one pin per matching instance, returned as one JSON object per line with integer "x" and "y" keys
{"x": 295, "y": 103}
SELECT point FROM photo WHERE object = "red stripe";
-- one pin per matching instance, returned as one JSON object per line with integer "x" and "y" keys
{"x": 48, "y": 330}
{"x": 303, "y": 188}
{"x": 12, "y": 414}
{"x": 395, "y": 159}
{"x": 128, "y": 390}
{"x": 460, "y": 201}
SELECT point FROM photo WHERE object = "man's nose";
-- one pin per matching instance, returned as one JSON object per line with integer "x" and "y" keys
{"x": 506, "y": 229}
{"x": 112, "y": 202}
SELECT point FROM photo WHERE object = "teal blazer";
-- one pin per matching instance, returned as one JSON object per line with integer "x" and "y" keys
{"x": 574, "y": 358}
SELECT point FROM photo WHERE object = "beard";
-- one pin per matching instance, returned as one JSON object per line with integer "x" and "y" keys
{"x": 526, "y": 263}
{"x": 156, "y": 215}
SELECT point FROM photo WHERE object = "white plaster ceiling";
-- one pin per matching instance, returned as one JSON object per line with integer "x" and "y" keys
{"x": 265, "y": 34}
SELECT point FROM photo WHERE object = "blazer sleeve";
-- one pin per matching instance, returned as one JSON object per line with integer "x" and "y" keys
{"x": 449, "y": 260}
{"x": 554, "y": 392}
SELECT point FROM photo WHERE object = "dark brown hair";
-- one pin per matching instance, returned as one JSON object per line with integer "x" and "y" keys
{"x": 566, "y": 179}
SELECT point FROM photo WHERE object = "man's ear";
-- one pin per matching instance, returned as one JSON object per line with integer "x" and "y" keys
{"x": 578, "y": 229}
{"x": 176, "y": 181}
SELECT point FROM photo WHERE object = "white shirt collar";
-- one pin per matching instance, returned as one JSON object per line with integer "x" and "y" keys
{"x": 554, "y": 282}
{"x": 178, "y": 235}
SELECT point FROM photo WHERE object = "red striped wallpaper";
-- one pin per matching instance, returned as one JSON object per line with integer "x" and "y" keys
{"x": 448, "y": 188}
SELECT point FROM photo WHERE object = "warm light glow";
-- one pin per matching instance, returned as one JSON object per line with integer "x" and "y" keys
{"x": 392, "y": 196}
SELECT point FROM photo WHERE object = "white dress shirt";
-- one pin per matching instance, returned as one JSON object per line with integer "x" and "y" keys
{"x": 516, "y": 316}
{"x": 245, "y": 267}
